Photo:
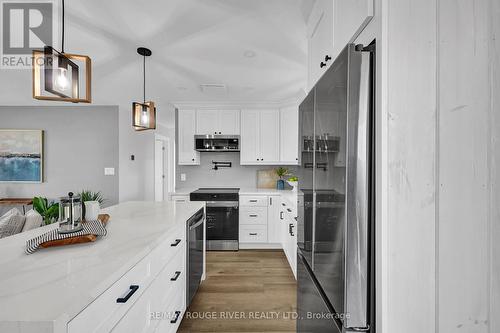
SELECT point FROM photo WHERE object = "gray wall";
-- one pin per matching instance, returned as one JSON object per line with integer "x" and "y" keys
{"x": 80, "y": 141}
{"x": 202, "y": 175}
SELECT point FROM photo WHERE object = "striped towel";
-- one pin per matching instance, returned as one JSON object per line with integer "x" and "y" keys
{"x": 94, "y": 227}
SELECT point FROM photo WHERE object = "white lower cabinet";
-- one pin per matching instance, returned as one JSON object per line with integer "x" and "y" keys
{"x": 150, "y": 295}
{"x": 288, "y": 228}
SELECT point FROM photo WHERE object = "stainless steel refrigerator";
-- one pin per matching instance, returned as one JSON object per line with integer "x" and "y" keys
{"x": 335, "y": 259}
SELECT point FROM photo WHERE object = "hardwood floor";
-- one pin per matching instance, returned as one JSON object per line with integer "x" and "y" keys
{"x": 245, "y": 291}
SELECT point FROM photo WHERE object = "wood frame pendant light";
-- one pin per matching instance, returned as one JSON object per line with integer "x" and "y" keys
{"x": 59, "y": 76}
{"x": 144, "y": 114}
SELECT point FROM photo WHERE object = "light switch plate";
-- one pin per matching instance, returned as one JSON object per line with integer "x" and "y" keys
{"x": 183, "y": 177}
{"x": 109, "y": 171}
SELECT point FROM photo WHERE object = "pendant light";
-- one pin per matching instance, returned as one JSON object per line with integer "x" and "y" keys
{"x": 61, "y": 76}
{"x": 144, "y": 114}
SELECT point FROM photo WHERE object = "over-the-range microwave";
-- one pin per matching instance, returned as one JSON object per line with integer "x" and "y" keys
{"x": 207, "y": 143}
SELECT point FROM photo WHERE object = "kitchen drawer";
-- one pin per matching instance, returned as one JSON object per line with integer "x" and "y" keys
{"x": 171, "y": 317}
{"x": 253, "y": 233}
{"x": 253, "y": 215}
{"x": 254, "y": 201}
{"x": 180, "y": 197}
{"x": 102, "y": 314}
{"x": 172, "y": 247}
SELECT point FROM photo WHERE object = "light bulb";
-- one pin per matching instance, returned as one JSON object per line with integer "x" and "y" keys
{"x": 144, "y": 117}
{"x": 61, "y": 81}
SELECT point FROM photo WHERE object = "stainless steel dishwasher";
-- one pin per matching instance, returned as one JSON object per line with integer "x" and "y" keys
{"x": 194, "y": 255}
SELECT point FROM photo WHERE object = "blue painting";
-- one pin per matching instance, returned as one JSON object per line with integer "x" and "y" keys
{"x": 21, "y": 156}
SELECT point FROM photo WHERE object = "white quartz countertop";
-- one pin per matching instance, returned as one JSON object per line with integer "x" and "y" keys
{"x": 53, "y": 285}
{"x": 243, "y": 191}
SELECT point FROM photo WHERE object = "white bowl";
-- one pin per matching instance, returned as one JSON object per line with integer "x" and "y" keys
{"x": 294, "y": 185}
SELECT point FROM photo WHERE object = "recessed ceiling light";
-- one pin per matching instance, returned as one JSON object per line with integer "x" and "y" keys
{"x": 249, "y": 54}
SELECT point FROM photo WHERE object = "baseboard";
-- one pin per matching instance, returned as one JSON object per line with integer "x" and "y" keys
{"x": 260, "y": 246}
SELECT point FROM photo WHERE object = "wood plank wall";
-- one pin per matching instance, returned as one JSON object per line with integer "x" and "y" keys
{"x": 442, "y": 82}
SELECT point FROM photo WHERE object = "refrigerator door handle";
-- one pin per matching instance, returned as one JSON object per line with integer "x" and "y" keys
{"x": 356, "y": 301}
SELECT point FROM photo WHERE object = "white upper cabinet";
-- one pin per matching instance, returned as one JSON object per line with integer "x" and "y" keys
{"x": 289, "y": 135}
{"x": 250, "y": 140}
{"x": 331, "y": 26}
{"x": 269, "y": 137}
{"x": 351, "y": 17}
{"x": 320, "y": 43}
{"x": 229, "y": 122}
{"x": 186, "y": 130}
{"x": 207, "y": 122}
{"x": 260, "y": 137}
{"x": 222, "y": 122}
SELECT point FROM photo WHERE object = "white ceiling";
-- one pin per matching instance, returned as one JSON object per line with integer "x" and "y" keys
{"x": 193, "y": 42}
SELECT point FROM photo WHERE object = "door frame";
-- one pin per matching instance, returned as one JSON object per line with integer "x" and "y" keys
{"x": 168, "y": 166}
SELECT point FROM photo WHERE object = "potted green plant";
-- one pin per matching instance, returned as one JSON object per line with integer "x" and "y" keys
{"x": 90, "y": 196}
{"x": 293, "y": 182}
{"x": 281, "y": 173}
{"x": 49, "y": 211}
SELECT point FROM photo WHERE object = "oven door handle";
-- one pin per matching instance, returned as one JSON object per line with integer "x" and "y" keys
{"x": 191, "y": 227}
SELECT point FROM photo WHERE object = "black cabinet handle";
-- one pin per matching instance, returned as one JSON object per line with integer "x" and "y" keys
{"x": 253, "y": 200}
{"x": 271, "y": 201}
{"x": 177, "y": 314}
{"x": 289, "y": 210}
{"x": 176, "y": 276}
{"x": 283, "y": 204}
{"x": 281, "y": 215}
{"x": 252, "y": 215}
{"x": 133, "y": 289}
{"x": 253, "y": 234}
{"x": 220, "y": 132}
{"x": 327, "y": 57}
{"x": 322, "y": 64}
{"x": 177, "y": 241}
{"x": 290, "y": 229}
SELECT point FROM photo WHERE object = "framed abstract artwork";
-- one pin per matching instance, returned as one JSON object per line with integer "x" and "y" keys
{"x": 21, "y": 155}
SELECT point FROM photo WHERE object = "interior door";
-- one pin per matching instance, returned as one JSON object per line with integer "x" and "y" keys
{"x": 229, "y": 122}
{"x": 159, "y": 170}
{"x": 269, "y": 136}
{"x": 207, "y": 122}
{"x": 249, "y": 147}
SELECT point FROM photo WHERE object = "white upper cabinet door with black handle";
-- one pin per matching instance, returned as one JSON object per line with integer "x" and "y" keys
{"x": 207, "y": 122}
{"x": 250, "y": 139}
{"x": 186, "y": 130}
{"x": 260, "y": 137}
{"x": 289, "y": 135}
{"x": 218, "y": 122}
{"x": 320, "y": 40}
{"x": 269, "y": 137}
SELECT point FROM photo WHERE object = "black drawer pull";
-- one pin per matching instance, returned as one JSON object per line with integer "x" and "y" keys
{"x": 176, "y": 276}
{"x": 177, "y": 241}
{"x": 177, "y": 314}
{"x": 253, "y": 234}
{"x": 252, "y": 215}
{"x": 133, "y": 289}
{"x": 283, "y": 204}
{"x": 281, "y": 215}
{"x": 253, "y": 200}
{"x": 289, "y": 210}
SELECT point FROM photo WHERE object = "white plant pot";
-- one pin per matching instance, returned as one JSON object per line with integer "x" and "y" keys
{"x": 294, "y": 185}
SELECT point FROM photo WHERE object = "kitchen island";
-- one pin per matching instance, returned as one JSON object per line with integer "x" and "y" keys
{"x": 76, "y": 288}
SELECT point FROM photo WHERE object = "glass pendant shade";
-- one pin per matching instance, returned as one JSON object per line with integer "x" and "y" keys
{"x": 61, "y": 76}
{"x": 143, "y": 116}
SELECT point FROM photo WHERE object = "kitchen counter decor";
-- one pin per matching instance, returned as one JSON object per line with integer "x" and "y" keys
{"x": 91, "y": 230}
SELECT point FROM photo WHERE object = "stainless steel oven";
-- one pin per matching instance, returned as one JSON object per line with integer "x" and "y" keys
{"x": 222, "y": 216}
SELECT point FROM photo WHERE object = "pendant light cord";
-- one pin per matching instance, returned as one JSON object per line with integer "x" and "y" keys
{"x": 62, "y": 41}
{"x": 144, "y": 79}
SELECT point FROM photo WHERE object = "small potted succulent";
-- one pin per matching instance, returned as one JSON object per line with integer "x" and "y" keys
{"x": 293, "y": 182}
{"x": 281, "y": 173}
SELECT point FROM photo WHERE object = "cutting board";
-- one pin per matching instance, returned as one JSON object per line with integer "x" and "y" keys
{"x": 104, "y": 218}
{"x": 266, "y": 178}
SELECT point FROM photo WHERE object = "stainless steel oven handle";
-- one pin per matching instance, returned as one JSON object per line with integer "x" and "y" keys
{"x": 231, "y": 204}
{"x": 196, "y": 225}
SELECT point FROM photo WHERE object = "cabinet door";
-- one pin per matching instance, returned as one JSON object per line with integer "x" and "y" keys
{"x": 289, "y": 135}
{"x": 250, "y": 149}
{"x": 350, "y": 18}
{"x": 273, "y": 220}
{"x": 207, "y": 122}
{"x": 321, "y": 39}
{"x": 269, "y": 137}
{"x": 229, "y": 122}
{"x": 186, "y": 129}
